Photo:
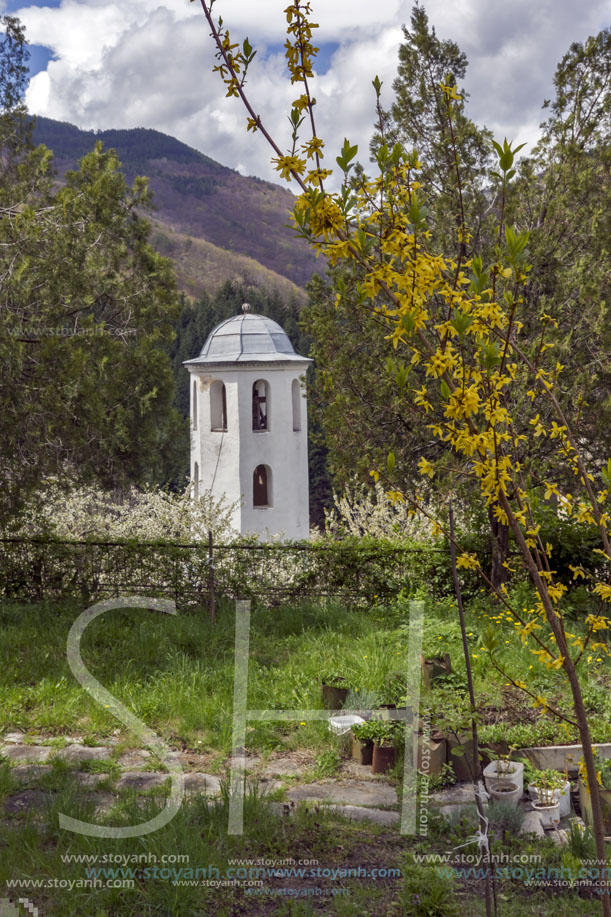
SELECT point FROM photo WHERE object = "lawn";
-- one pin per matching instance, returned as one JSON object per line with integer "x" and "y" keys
{"x": 176, "y": 673}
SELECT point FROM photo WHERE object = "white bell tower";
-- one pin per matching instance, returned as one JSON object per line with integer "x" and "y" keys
{"x": 249, "y": 431}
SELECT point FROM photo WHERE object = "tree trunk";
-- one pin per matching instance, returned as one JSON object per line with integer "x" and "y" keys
{"x": 499, "y": 549}
{"x": 478, "y": 783}
{"x": 588, "y": 755}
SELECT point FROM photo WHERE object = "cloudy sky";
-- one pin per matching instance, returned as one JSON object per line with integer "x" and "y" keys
{"x": 137, "y": 63}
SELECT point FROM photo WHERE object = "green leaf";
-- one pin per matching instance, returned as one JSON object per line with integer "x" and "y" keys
{"x": 461, "y": 322}
{"x": 490, "y": 356}
{"x": 348, "y": 153}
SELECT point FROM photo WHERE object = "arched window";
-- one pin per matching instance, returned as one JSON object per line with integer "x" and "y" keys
{"x": 262, "y": 486}
{"x": 195, "y": 404}
{"x": 218, "y": 406}
{"x": 260, "y": 405}
{"x": 296, "y": 395}
{"x": 196, "y": 481}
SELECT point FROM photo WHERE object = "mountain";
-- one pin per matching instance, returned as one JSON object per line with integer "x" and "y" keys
{"x": 213, "y": 222}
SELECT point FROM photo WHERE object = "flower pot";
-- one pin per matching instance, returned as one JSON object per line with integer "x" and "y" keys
{"x": 333, "y": 698}
{"x": 549, "y": 814}
{"x": 510, "y": 770}
{"x": 383, "y": 758}
{"x": 505, "y": 791}
{"x": 362, "y": 751}
{"x": 561, "y": 796}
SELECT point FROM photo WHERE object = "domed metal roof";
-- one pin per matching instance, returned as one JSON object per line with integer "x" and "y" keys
{"x": 247, "y": 338}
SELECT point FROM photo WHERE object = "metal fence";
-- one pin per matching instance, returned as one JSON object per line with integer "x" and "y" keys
{"x": 353, "y": 570}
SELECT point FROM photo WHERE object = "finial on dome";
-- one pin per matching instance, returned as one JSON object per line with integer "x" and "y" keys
{"x": 246, "y": 308}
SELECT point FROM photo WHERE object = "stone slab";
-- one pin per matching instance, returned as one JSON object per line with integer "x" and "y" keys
{"x": 24, "y": 773}
{"x": 355, "y": 813}
{"x": 26, "y": 800}
{"x": 78, "y": 753}
{"x": 361, "y": 813}
{"x": 532, "y": 824}
{"x": 351, "y": 768}
{"x": 102, "y": 802}
{"x": 348, "y": 792}
{"x": 136, "y": 780}
{"x": 203, "y": 783}
{"x": 461, "y": 794}
{"x": 133, "y": 758}
{"x": 282, "y": 767}
{"x": 89, "y": 781}
{"x": 267, "y": 785}
{"x": 33, "y": 753}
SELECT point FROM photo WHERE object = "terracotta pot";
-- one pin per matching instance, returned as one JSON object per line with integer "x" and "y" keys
{"x": 362, "y": 751}
{"x": 333, "y": 698}
{"x": 383, "y": 759}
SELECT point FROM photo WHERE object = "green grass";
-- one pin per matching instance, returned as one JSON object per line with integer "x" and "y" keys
{"x": 198, "y": 834}
{"x": 177, "y": 673}
{"x": 36, "y": 847}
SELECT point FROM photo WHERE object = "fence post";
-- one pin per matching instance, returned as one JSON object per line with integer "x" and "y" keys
{"x": 211, "y": 602}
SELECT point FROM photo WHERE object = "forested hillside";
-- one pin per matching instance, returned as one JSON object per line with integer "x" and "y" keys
{"x": 196, "y": 198}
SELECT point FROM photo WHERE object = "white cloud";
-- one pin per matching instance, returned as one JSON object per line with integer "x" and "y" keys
{"x": 136, "y": 64}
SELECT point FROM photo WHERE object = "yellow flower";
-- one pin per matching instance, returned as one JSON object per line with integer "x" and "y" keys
{"x": 425, "y": 467}
{"x": 313, "y": 147}
{"x": 287, "y": 165}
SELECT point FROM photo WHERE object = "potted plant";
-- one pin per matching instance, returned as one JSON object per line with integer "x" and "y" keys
{"x": 548, "y": 784}
{"x": 384, "y": 736}
{"x": 362, "y": 741}
{"x": 503, "y": 769}
{"x": 334, "y": 690}
{"x": 562, "y": 795}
